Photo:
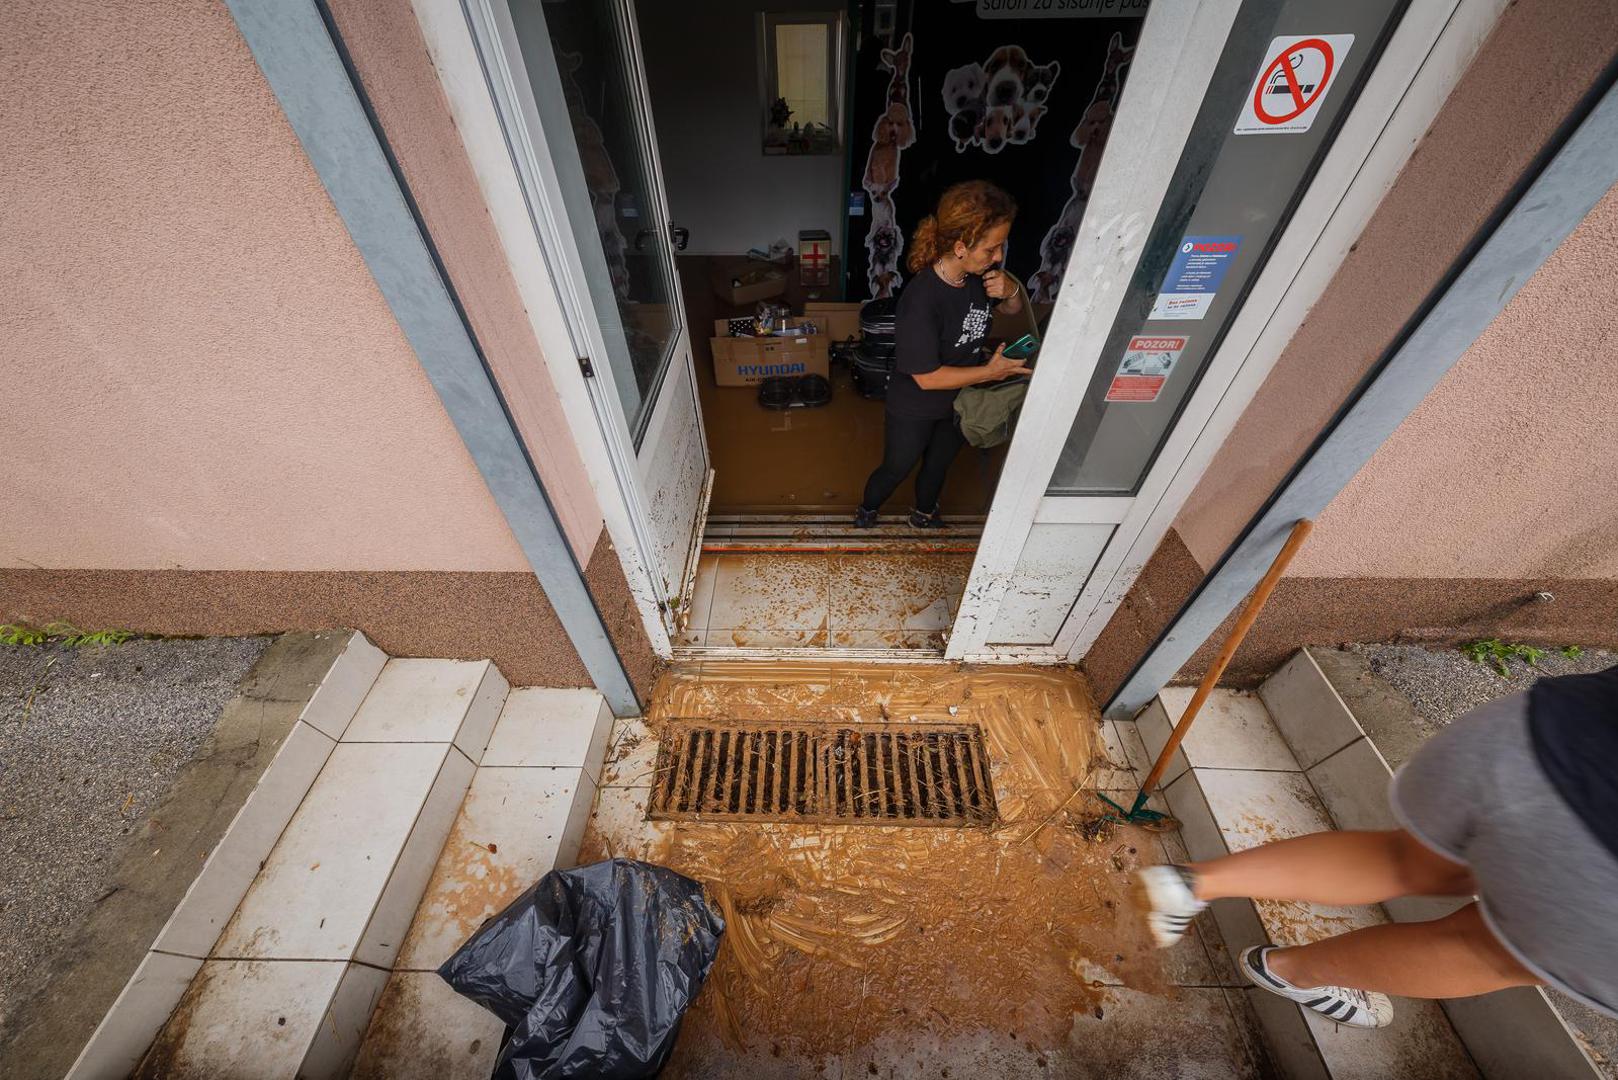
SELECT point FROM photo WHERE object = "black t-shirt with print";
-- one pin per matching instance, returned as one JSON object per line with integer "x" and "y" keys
{"x": 937, "y": 324}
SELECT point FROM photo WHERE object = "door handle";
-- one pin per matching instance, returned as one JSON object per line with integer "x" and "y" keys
{"x": 641, "y": 238}
{"x": 681, "y": 235}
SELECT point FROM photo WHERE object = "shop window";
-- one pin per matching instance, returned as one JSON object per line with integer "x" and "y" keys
{"x": 802, "y": 87}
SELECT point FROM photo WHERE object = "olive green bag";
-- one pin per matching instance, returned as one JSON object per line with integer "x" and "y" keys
{"x": 987, "y": 413}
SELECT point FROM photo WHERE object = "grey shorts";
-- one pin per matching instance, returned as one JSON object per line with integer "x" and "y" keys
{"x": 1475, "y": 793}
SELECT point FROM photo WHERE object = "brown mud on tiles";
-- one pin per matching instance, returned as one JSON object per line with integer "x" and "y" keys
{"x": 844, "y": 938}
{"x": 880, "y": 599}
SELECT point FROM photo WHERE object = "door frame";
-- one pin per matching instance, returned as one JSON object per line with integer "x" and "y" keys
{"x": 1430, "y": 49}
{"x": 1432, "y": 46}
{"x": 475, "y": 48}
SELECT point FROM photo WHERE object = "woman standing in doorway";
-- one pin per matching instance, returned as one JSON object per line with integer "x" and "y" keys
{"x": 943, "y": 317}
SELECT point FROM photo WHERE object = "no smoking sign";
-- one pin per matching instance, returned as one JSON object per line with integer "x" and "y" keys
{"x": 1292, "y": 83}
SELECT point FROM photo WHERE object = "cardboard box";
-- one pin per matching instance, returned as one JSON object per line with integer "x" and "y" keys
{"x": 836, "y": 321}
{"x": 745, "y": 361}
{"x": 759, "y": 281}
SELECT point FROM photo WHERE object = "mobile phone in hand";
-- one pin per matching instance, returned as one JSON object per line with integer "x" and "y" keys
{"x": 1021, "y": 349}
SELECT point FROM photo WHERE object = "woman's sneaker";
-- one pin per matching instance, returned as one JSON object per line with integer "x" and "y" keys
{"x": 919, "y": 520}
{"x": 863, "y": 518}
{"x": 1356, "y": 1008}
{"x": 1171, "y": 900}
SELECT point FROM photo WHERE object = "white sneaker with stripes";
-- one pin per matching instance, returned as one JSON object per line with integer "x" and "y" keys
{"x": 1356, "y": 1008}
{"x": 1171, "y": 901}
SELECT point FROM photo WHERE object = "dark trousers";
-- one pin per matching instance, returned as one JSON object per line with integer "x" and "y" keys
{"x": 905, "y": 441}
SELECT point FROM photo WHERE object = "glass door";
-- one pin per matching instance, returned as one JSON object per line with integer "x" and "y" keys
{"x": 1229, "y": 163}
{"x": 588, "y": 114}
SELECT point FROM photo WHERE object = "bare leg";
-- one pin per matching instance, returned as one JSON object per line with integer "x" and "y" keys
{"x": 1334, "y": 868}
{"x": 1456, "y": 956}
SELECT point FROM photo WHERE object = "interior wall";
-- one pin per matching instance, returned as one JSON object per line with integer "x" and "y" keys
{"x": 702, "y": 68}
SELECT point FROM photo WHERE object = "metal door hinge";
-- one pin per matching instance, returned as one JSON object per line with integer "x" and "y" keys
{"x": 588, "y": 368}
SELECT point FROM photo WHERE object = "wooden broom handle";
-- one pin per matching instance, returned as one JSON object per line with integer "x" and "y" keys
{"x": 1249, "y": 615}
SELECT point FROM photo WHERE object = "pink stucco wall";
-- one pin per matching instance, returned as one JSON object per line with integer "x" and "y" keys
{"x": 1541, "y": 57}
{"x": 1506, "y": 470}
{"x": 198, "y": 370}
{"x": 385, "y": 43}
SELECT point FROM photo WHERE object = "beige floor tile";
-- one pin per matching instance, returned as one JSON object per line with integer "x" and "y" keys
{"x": 879, "y": 591}
{"x": 515, "y": 826}
{"x": 431, "y": 701}
{"x": 253, "y": 1018}
{"x": 1232, "y": 730}
{"x": 314, "y": 897}
{"x": 423, "y": 1030}
{"x": 770, "y": 592}
{"x": 702, "y": 592}
{"x": 631, "y": 755}
{"x": 558, "y": 728}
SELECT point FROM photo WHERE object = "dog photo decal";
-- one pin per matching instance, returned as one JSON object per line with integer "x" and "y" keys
{"x": 894, "y": 130}
{"x": 1090, "y": 136}
{"x": 998, "y": 102}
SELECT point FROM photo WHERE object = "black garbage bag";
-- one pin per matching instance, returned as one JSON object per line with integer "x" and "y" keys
{"x": 593, "y": 968}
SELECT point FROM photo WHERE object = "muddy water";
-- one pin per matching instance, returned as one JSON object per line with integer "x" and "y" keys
{"x": 839, "y": 935}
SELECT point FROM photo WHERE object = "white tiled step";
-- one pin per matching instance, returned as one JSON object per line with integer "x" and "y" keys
{"x": 288, "y": 988}
{"x": 524, "y": 815}
{"x": 1235, "y": 784}
{"x": 157, "y": 986}
{"x": 1509, "y": 1034}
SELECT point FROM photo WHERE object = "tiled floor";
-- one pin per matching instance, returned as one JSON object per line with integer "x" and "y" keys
{"x": 882, "y": 600}
{"x": 1235, "y": 785}
{"x": 933, "y": 1000}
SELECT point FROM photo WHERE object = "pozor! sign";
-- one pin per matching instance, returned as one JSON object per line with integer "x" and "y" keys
{"x": 1292, "y": 83}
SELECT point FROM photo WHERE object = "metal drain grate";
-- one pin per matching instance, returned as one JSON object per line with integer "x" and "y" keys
{"x": 874, "y": 774}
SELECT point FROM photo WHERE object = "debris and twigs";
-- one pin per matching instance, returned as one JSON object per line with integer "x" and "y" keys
{"x": 39, "y": 683}
{"x": 593, "y": 969}
{"x": 1077, "y": 791}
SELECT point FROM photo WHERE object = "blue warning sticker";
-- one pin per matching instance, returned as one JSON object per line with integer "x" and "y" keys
{"x": 1194, "y": 276}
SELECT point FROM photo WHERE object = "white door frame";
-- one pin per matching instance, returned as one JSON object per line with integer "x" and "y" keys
{"x": 1430, "y": 49}
{"x": 1434, "y": 42}
{"x": 1181, "y": 43}
{"x": 474, "y": 49}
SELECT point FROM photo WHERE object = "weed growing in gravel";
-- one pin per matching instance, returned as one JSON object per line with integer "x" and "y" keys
{"x": 1495, "y": 653}
{"x": 64, "y": 633}
{"x": 17, "y": 634}
{"x": 1572, "y": 652}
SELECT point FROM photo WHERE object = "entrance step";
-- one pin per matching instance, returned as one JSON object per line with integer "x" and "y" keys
{"x": 1236, "y": 783}
{"x": 322, "y": 700}
{"x": 288, "y": 987}
{"x": 1350, "y": 730}
{"x": 524, "y": 815}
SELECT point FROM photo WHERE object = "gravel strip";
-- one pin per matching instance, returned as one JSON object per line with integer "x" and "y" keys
{"x": 1443, "y": 683}
{"x": 90, "y": 740}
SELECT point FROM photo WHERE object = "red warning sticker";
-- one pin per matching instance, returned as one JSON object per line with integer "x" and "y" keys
{"x": 1145, "y": 368}
{"x": 1292, "y": 83}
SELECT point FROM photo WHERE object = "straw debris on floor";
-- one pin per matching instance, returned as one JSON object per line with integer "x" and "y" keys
{"x": 843, "y": 938}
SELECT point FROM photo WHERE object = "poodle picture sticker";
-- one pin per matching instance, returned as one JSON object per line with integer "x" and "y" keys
{"x": 999, "y": 102}
{"x": 1292, "y": 83}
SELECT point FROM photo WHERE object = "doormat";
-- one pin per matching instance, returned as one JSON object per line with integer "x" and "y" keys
{"x": 847, "y": 774}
